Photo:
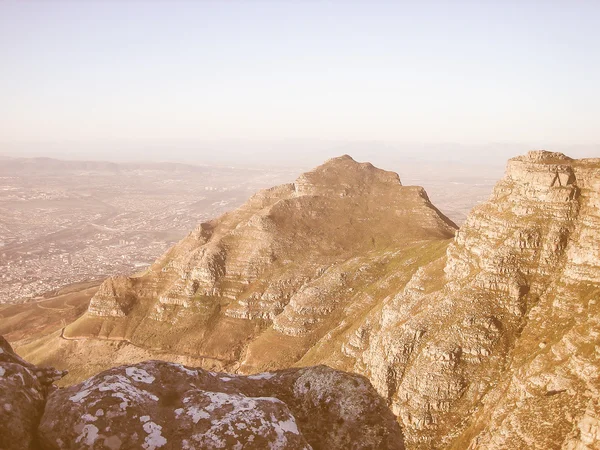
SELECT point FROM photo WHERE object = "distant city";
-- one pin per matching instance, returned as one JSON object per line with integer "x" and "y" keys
{"x": 69, "y": 222}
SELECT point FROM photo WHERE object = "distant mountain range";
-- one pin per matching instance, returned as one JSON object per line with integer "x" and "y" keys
{"x": 30, "y": 166}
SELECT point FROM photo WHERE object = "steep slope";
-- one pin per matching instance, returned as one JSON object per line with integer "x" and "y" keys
{"x": 549, "y": 395}
{"x": 504, "y": 353}
{"x": 255, "y": 288}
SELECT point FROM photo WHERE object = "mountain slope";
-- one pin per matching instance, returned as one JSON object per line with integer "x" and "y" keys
{"x": 504, "y": 352}
{"x": 255, "y": 288}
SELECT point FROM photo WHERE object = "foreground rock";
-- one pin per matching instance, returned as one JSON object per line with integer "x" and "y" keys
{"x": 164, "y": 405}
{"x": 23, "y": 388}
{"x": 156, "y": 404}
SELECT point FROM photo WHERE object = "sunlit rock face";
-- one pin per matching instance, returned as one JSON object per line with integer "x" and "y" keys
{"x": 156, "y": 404}
{"x": 504, "y": 352}
{"x": 114, "y": 298}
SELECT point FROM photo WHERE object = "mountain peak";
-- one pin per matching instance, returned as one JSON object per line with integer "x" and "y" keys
{"x": 345, "y": 176}
{"x": 544, "y": 156}
{"x": 287, "y": 258}
{"x": 339, "y": 159}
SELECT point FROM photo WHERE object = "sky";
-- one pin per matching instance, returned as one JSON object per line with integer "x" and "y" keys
{"x": 254, "y": 79}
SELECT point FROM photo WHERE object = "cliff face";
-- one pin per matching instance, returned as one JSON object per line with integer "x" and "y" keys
{"x": 503, "y": 353}
{"x": 549, "y": 394}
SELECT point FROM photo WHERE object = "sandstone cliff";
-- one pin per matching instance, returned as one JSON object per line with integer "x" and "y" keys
{"x": 504, "y": 352}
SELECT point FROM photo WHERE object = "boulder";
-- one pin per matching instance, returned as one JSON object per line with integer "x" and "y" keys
{"x": 23, "y": 388}
{"x": 163, "y": 405}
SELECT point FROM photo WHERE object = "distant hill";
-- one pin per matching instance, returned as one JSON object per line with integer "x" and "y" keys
{"x": 32, "y": 166}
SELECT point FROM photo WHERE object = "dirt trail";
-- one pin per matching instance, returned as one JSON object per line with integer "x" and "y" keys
{"x": 50, "y": 308}
{"x": 148, "y": 349}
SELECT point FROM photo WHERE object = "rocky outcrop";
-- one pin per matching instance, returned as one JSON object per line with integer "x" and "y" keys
{"x": 156, "y": 404}
{"x": 164, "y": 405}
{"x": 23, "y": 390}
{"x": 114, "y": 298}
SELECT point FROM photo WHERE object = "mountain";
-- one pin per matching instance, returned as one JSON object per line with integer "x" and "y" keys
{"x": 55, "y": 167}
{"x": 486, "y": 339}
{"x": 256, "y": 288}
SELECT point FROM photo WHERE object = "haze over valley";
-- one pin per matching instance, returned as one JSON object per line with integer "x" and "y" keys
{"x": 65, "y": 222}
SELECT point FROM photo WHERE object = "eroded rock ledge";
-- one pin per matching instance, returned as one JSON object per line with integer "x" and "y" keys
{"x": 160, "y": 405}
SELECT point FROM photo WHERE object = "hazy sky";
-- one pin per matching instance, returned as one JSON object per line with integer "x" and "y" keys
{"x": 471, "y": 73}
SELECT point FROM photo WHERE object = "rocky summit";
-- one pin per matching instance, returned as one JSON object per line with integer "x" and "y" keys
{"x": 487, "y": 337}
